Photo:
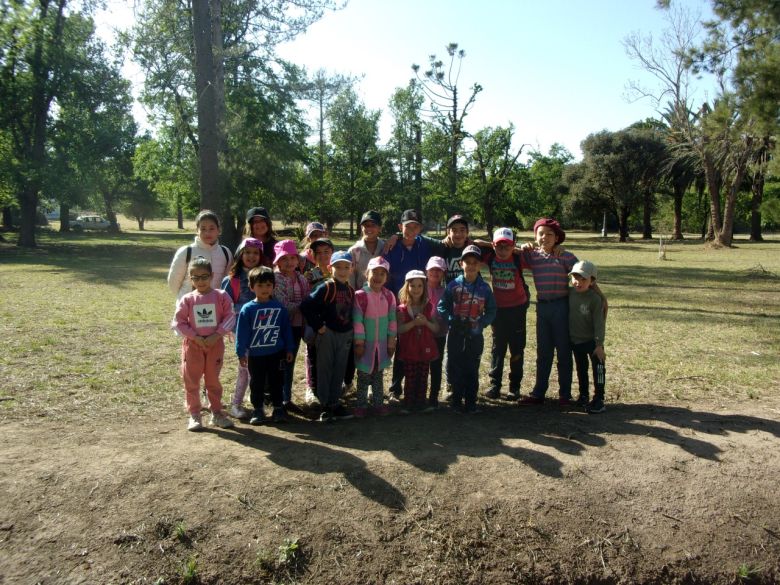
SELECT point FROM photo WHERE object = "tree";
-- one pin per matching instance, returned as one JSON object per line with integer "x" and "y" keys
{"x": 544, "y": 195}
{"x": 493, "y": 164}
{"x": 406, "y": 143}
{"x": 440, "y": 85}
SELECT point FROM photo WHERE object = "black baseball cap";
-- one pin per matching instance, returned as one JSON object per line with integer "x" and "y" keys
{"x": 411, "y": 215}
{"x": 321, "y": 242}
{"x": 261, "y": 212}
{"x": 457, "y": 218}
{"x": 371, "y": 216}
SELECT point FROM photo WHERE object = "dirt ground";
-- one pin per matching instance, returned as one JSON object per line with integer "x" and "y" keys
{"x": 641, "y": 494}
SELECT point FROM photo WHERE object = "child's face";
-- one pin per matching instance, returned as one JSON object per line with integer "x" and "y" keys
{"x": 287, "y": 264}
{"x": 201, "y": 280}
{"x": 546, "y": 238}
{"x": 250, "y": 257}
{"x": 259, "y": 228}
{"x": 370, "y": 230}
{"x": 263, "y": 290}
{"x": 458, "y": 234}
{"x": 377, "y": 277}
{"x": 341, "y": 271}
{"x": 435, "y": 276}
{"x": 410, "y": 230}
{"x": 416, "y": 287}
{"x": 470, "y": 265}
{"x": 580, "y": 283}
{"x": 208, "y": 231}
{"x": 322, "y": 255}
{"x": 503, "y": 250}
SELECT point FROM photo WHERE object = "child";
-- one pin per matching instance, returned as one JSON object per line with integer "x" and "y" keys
{"x": 291, "y": 288}
{"x": 248, "y": 255}
{"x": 586, "y": 329}
{"x": 550, "y": 272}
{"x": 512, "y": 302}
{"x": 264, "y": 344}
{"x": 328, "y": 311}
{"x": 365, "y": 249}
{"x": 417, "y": 325}
{"x": 260, "y": 227}
{"x": 469, "y": 306}
{"x": 435, "y": 270}
{"x": 315, "y": 272}
{"x": 314, "y": 231}
{"x": 203, "y": 317}
{"x": 374, "y": 322}
{"x": 207, "y": 245}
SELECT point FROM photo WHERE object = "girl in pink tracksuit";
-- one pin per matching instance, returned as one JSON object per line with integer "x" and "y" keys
{"x": 203, "y": 317}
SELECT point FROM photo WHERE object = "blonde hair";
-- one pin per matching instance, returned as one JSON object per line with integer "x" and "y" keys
{"x": 406, "y": 298}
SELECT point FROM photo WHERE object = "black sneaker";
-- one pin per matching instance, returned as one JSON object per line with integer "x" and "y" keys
{"x": 513, "y": 395}
{"x": 326, "y": 416}
{"x": 293, "y": 408}
{"x": 279, "y": 416}
{"x": 341, "y": 412}
{"x": 596, "y": 406}
{"x": 582, "y": 401}
{"x": 258, "y": 418}
{"x": 493, "y": 393}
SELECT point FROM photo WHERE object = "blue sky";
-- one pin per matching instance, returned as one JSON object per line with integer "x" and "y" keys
{"x": 556, "y": 69}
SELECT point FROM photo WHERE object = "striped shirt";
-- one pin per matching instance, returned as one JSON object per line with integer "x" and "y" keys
{"x": 550, "y": 272}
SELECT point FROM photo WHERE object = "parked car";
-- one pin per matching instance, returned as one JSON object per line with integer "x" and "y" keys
{"x": 90, "y": 222}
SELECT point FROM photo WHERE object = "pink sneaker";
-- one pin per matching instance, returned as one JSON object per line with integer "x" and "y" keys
{"x": 359, "y": 412}
{"x": 382, "y": 410}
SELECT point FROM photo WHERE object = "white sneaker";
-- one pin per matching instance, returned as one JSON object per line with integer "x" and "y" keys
{"x": 194, "y": 423}
{"x": 221, "y": 421}
{"x": 310, "y": 397}
{"x": 238, "y": 411}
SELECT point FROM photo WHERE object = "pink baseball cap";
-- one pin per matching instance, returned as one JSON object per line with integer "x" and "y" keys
{"x": 284, "y": 248}
{"x": 436, "y": 262}
{"x": 250, "y": 243}
{"x": 378, "y": 262}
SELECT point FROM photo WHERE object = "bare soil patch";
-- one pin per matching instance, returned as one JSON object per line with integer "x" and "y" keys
{"x": 641, "y": 494}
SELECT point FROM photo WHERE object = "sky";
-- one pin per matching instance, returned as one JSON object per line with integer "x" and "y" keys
{"x": 556, "y": 69}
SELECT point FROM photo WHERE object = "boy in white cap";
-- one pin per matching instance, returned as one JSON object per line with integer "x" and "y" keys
{"x": 587, "y": 326}
{"x": 512, "y": 300}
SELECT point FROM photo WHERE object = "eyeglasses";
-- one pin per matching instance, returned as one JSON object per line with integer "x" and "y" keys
{"x": 199, "y": 277}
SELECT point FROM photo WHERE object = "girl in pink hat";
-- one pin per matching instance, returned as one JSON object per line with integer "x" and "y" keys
{"x": 291, "y": 288}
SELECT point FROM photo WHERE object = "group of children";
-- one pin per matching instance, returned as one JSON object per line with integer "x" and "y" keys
{"x": 398, "y": 302}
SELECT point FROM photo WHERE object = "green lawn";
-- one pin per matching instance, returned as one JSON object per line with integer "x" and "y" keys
{"x": 84, "y": 320}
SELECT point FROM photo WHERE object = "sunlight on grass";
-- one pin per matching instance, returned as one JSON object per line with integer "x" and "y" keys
{"x": 85, "y": 323}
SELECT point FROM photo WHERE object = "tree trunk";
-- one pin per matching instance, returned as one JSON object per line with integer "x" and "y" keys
{"x": 713, "y": 181}
{"x": 231, "y": 236}
{"x": 726, "y": 235}
{"x": 679, "y": 193}
{"x": 64, "y": 217}
{"x": 647, "y": 216}
{"x": 205, "y": 86}
{"x": 141, "y": 222}
{"x": 8, "y": 221}
{"x": 179, "y": 213}
{"x": 623, "y": 224}
{"x": 755, "y": 208}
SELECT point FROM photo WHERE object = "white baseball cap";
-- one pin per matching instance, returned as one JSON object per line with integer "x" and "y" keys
{"x": 503, "y": 234}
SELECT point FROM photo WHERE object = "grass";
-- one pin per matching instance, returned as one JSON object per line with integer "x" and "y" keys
{"x": 85, "y": 323}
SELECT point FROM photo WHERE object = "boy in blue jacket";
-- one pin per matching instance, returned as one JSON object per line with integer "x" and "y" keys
{"x": 264, "y": 342}
{"x": 469, "y": 306}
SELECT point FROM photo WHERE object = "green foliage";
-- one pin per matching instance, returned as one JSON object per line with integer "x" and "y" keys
{"x": 189, "y": 571}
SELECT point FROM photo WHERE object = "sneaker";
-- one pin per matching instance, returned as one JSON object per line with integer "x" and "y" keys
{"x": 220, "y": 419}
{"x": 341, "y": 412}
{"x": 360, "y": 412}
{"x": 530, "y": 400}
{"x": 513, "y": 395}
{"x": 493, "y": 393}
{"x": 394, "y": 399}
{"x": 326, "y": 416}
{"x": 194, "y": 423}
{"x": 382, "y": 410}
{"x": 596, "y": 406}
{"x": 581, "y": 402}
{"x": 566, "y": 402}
{"x": 347, "y": 388}
{"x": 310, "y": 397}
{"x": 279, "y": 415}
{"x": 293, "y": 408}
{"x": 258, "y": 418}
{"x": 238, "y": 411}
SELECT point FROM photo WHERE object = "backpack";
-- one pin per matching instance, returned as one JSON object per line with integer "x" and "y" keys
{"x": 234, "y": 288}
{"x": 225, "y": 251}
{"x": 362, "y": 300}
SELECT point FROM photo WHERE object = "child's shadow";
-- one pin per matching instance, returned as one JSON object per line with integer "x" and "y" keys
{"x": 318, "y": 458}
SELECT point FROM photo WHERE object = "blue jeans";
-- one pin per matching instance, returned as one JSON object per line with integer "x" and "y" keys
{"x": 552, "y": 335}
{"x": 290, "y": 367}
{"x": 463, "y": 354}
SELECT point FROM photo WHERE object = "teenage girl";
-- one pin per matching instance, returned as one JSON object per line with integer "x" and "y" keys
{"x": 248, "y": 255}
{"x": 417, "y": 325}
{"x": 291, "y": 288}
{"x": 207, "y": 245}
{"x": 260, "y": 227}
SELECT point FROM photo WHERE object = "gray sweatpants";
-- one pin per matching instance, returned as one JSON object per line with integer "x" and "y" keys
{"x": 332, "y": 354}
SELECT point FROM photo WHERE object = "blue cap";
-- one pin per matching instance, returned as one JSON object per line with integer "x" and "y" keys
{"x": 340, "y": 257}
